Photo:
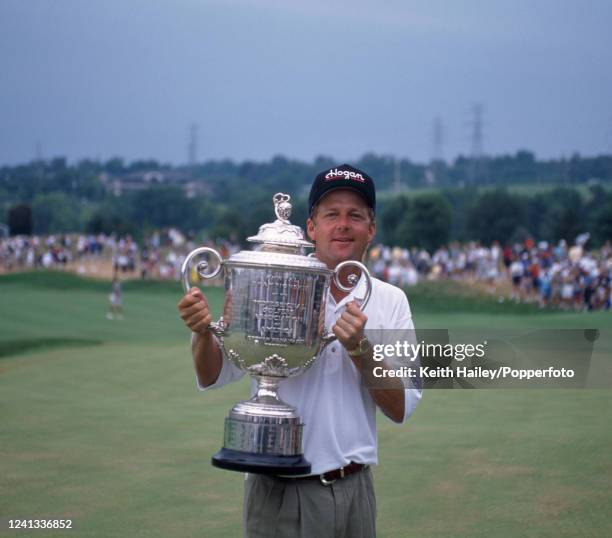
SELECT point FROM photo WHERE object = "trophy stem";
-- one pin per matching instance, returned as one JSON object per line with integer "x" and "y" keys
{"x": 267, "y": 389}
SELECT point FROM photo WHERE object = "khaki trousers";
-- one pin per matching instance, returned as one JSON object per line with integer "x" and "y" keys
{"x": 277, "y": 508}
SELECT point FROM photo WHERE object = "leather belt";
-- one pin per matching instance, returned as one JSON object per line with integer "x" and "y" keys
{"x": 328, "y": 478}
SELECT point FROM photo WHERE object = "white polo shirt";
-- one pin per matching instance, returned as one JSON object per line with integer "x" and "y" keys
{"x": 336, "y": 408}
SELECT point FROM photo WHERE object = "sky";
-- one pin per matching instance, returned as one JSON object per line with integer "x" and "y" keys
{"x": 302, "y": 78}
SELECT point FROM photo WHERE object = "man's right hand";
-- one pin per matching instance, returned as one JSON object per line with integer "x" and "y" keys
{"x": 194, "y": 311}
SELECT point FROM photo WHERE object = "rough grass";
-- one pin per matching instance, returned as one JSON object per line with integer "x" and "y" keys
{"x": 448, "y": 296}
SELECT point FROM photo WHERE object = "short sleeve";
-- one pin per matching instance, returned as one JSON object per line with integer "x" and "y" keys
{"x": 228, "y": 373}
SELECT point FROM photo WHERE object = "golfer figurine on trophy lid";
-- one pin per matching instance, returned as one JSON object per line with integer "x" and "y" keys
{"x": 273, "y": 330}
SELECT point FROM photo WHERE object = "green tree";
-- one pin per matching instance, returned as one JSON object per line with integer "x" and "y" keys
{"x": 113, "y": 215}
{"x": 597, "y": 209}
{"x": 564, "y": 215}
{"x": 5, "y": 201}
{"x": 114, "y": 165}
{"x": 601, "y": 221}
{"x": 163, "y": 206}
{"x": 495, "y": 216}
{"x": 460, "y": 201}
{"x": 536, "y": 212}
{"x": 428, "y": 223}
{"x": 230, "y": 225}
{"x": 55, "y": 212}
{"x": 389, "y": 223}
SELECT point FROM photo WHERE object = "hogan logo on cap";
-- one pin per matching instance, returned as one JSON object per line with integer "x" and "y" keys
{"x": 343, "y": 174}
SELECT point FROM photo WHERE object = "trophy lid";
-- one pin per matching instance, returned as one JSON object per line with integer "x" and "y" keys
{"x": 280, "y": 244}
{"x": 281, "y": 235}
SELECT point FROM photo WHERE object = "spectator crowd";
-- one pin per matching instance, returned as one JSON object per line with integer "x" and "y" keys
{"x": 568, "y": 277}
{"x": 158, "y": 257}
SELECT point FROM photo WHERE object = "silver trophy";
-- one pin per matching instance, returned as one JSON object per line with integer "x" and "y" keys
{"x": 273, "y": 329}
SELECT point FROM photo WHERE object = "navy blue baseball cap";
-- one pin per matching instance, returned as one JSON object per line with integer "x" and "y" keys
{"x": 344, "y": 176}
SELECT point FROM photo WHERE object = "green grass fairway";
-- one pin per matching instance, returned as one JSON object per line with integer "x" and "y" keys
{"x": 101, "y": 423}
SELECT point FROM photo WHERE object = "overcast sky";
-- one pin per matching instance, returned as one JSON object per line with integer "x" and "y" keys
{"x": 87, "y": 78}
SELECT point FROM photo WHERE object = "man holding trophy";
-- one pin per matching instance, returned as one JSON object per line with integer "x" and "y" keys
{"x": 327, "y": 402}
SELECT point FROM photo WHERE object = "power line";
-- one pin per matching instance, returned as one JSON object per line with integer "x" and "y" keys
{"x": 38, "y": 151}
{"x": 476, "y": 153}
{"x": 438, "y": 140}
{"x": 192, "y": 147}
{"x": 433, "y": 172}
{"x": 477, "y": 135}
{"x": 397, "y": 175}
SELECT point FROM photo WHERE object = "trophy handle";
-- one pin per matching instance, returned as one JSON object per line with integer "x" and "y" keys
{"x": 353, "y": 279}
{"x": 216, "y": 327}
{"x": 201, "y": 267}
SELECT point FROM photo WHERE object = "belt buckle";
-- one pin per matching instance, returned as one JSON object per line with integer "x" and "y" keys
{"x": 326, "y": 482}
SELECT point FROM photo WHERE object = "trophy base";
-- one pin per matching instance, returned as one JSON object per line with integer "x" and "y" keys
{"x": 246, "y": 462}
{"x": 263, "y": 435}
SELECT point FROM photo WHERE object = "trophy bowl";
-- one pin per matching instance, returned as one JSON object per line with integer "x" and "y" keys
{"x": 273, "y": 329}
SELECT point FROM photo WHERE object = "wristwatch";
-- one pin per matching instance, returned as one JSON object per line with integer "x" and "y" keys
{"x": 362, "y": 347}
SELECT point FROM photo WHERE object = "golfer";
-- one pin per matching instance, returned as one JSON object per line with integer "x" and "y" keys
{"x": 115, "y": 307}
{"x": 335, "y": 400}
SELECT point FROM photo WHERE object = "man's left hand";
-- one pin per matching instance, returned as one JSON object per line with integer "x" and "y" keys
{"x": 350, "y": 326}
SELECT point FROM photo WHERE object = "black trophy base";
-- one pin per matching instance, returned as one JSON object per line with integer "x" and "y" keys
{"x": 246, "y": 462}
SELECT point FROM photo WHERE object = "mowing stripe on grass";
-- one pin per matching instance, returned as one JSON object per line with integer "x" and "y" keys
{"x": 15, "y": 347}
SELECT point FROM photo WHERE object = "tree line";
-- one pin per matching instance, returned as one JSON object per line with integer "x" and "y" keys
{"x": 55, "y": 196}
{"x": 434, "y": 219}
